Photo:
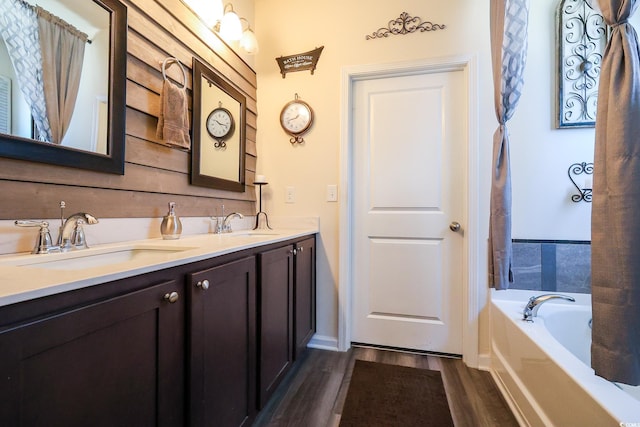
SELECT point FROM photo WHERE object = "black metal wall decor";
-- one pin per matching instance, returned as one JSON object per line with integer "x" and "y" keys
{"x": 405, "y": 24}
{"x": 582, "y": 38}
{"x": 585, "y": 192}
{"x": 299, "y": 61}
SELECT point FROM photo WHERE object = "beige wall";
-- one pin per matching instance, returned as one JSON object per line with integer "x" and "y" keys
{"x": 286, "y": 27}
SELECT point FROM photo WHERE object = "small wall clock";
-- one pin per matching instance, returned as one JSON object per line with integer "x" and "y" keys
{"x": 296, "y": 119}
{"x": 220, "y": 125}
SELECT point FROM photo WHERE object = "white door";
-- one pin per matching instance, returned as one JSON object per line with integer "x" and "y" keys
{"x": 409, "y": 189}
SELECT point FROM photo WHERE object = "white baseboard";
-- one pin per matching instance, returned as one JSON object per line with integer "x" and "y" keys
{"x": 484, "y": 362}
{"x": 322, "y": 342}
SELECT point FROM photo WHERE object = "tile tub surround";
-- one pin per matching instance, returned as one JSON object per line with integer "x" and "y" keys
{"x": 552, "y": 265}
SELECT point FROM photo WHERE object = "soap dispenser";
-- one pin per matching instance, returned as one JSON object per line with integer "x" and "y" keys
{"x": 171, "y": 227}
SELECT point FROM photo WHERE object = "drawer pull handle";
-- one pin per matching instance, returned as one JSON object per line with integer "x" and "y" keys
{"x": 171, "y": 297}
{"x": 204, "y": 284}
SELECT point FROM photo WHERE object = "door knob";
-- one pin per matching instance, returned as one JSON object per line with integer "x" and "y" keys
{"x": 454, "y": 226}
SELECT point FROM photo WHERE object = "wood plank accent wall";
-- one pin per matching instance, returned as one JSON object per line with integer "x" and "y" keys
{"x": 154, "y": 173}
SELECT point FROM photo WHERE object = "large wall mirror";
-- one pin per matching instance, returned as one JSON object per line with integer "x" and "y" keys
{"x": 79, "y": 119}
{"x": 219, "y": 119}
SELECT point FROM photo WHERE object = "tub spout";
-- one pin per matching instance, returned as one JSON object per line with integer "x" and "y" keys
{"x": 531, "y": 309}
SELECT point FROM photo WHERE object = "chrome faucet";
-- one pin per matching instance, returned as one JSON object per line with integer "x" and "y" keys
{"x": 222, "y": 222}
{"x": 531, "y": 309}
{"x": 71, "y": 233}
{"x": 225, "y": 226}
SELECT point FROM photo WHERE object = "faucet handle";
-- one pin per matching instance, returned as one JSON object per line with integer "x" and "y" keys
{"x": 77, "y": 236}
{"x": 218, "y": 227}
{"x": 44, "y": 244}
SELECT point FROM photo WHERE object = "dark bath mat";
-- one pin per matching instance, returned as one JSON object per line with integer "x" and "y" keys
{"x": 390, "y": 395}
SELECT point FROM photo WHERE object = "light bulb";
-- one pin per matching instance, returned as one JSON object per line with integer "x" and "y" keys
{"x": 249, "y": 42}
{"x": 230, "y": 27}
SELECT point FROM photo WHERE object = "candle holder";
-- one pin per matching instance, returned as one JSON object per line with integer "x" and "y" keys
{"x": 260, "y": 211}
{"x": 584, "y": 194}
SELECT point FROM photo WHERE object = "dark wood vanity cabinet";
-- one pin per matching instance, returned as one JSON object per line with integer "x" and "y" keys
{"x": 200, "y": 344}
{"x": 222, "y": 345}
{"x": 275, "y": 319}
{"x": 304, "y": 295}
{"x": 117, "y": 361}
{"x": 287, "y": 317}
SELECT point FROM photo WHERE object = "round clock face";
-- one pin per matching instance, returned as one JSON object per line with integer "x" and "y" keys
{"x": 220, "y": 123}
{"x": 296, "y": 117}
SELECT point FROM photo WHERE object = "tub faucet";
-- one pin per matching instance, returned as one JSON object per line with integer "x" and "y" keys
{"x": 531, "y": 309}
{"x": 71, "y": 233}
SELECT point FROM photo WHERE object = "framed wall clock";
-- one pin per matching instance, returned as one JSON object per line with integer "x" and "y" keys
{"x": 296, "y": 119}
{"x": 220, "y": 125}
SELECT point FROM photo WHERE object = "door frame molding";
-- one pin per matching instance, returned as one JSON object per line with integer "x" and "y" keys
{"x": 471, "y": 246}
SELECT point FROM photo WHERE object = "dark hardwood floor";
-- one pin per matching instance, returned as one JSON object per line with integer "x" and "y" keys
{"x": 314, "y": 393}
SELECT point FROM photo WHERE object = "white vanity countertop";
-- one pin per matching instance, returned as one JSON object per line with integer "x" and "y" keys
{"x": 26, "y": 276}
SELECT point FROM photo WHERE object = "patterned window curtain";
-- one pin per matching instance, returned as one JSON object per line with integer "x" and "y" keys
{"x": 615, "y": 223}
{"x": 509, "y": 25}
{"x": 62, "y": 48}
{"x": 19, "y": 30}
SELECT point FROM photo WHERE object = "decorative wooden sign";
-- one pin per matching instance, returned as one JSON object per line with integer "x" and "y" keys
{"x": 299, "y": 62}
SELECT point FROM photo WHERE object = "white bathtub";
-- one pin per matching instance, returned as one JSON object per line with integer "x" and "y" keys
{"x": 543, "y": 368}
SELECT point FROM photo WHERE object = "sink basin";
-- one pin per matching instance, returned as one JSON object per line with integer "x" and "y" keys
{"x": 90, "y": 258}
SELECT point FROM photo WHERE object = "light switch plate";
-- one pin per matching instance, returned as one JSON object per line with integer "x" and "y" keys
{"x": 332, "y": 193}
{"x": 290, "y": 195}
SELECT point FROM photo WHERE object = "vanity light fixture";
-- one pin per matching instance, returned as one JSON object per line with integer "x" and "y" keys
{"x": 225, "y": 22}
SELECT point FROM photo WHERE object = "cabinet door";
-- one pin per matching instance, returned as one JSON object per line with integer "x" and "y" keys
{"x": 304, "y": 294}
{"x": 116, "y": 362}
{"x": 276, "y": 319}
{"x": 223, "y": 345}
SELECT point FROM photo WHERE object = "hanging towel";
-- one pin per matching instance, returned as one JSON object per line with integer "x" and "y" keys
{"x": 173, "y": 121}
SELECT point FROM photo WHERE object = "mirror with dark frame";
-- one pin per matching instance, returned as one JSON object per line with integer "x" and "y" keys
{"x": 219, "y": 119}
{"x": 94, "y": 136}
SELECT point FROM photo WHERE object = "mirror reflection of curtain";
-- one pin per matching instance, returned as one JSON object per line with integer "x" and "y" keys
{"x": 62, "y": 48}
{"x": 19, "y": 29}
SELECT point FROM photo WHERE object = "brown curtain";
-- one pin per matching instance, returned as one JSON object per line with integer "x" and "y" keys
{"x": 615, "y": 217}
{"x": 509, "y": 23}
{"x": 62, "y": 48}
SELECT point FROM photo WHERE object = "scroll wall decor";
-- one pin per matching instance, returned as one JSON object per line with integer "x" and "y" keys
{"x": 585, "y": 191}
{"x": 582, "y": 39}
{"x": 405, "y": 24}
